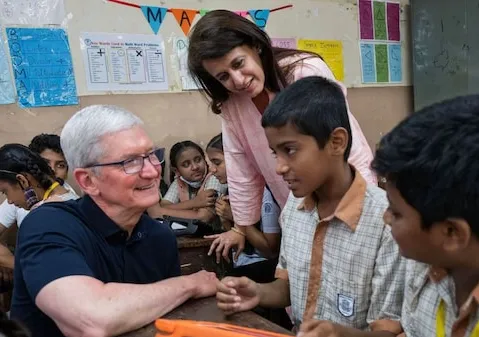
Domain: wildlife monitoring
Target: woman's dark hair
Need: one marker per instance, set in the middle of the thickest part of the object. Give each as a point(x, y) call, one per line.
point(178, 149)
point(44, 142)
point(19, 159)
point(216, 143)
point(220, 31)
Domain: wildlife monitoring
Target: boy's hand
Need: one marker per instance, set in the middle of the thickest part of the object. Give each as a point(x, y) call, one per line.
point(236, 294)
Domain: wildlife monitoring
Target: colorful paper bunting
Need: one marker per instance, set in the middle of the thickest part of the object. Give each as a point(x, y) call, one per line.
point(184, 17)
point(260, 17)
point(154, 16)
point(242, 13)
point(204, 11)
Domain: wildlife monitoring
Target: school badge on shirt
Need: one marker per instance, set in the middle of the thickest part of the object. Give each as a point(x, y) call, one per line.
point(345, 305)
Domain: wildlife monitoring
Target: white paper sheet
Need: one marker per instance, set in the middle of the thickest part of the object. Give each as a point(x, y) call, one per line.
point(32, 12)
point(181, 51)
point(124, 62)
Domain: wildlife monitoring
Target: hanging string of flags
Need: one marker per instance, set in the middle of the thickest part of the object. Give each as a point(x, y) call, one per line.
point(184, 17)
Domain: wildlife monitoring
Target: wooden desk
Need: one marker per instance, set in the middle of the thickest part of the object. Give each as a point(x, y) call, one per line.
point(194, 256)
point(206, 310)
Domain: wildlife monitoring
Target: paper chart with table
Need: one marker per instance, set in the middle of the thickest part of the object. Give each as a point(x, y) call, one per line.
point(124, 62)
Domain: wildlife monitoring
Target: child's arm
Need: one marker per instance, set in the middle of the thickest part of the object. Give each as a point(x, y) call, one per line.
point(205, 215)
point(267, 241)
point(204, 198)
point(6, 257)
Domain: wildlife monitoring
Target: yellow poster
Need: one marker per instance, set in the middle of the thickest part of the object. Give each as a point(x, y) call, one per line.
point(330, 50)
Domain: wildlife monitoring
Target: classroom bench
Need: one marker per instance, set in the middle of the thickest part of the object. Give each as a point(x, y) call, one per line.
point(194, 257)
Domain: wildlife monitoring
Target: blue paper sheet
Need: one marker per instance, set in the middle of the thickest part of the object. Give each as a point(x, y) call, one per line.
point(7, 92)
point(368, 66)
point(395, 62)
point(42, 66)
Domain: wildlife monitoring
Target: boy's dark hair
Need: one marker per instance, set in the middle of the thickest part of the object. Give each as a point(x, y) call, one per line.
point(44, 142)
point(432, 158)
point(315, 106)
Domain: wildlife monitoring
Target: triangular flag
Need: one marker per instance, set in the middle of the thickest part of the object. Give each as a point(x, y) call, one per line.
point(260, 17)
point(154, 16)
point(242, 13)
point(184, 17)
point(204, 11)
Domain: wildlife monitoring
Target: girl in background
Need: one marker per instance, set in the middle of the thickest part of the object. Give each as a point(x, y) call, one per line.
point(27, 181)
point(259, 258)
point(193, 191)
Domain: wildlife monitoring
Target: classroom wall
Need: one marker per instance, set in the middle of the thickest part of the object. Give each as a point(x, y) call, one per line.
point(174, 116)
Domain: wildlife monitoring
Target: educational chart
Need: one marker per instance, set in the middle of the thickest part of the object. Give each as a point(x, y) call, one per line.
point(287, 43)
point(381, 62)
point(7, 91)
point(330, 50)
point(124, 62)
point(181, 52)
point(379, 20)
point(32, 12)
point(42, 66)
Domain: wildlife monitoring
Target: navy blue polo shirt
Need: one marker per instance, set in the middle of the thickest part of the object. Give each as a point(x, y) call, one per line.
point(77, 238)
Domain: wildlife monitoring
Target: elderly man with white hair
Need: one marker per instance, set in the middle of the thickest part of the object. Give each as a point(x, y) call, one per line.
point(100, 266)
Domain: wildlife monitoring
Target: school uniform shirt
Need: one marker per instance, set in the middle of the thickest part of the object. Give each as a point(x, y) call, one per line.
point(249, 163)
point(211, 183)
point(345, 268)
point(11, 214)
point(426, 288)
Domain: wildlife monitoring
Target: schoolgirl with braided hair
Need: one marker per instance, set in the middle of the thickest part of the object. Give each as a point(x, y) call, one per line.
point(27, 180)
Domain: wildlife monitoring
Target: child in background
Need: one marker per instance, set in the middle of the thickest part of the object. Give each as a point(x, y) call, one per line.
point(192, 193)
point(338, 261)
point(48, 147)
point(259, 258)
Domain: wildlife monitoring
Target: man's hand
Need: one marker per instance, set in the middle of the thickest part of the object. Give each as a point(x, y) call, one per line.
point(224, 242)
point(205, 283)
point(235, 294)
point(205, 198)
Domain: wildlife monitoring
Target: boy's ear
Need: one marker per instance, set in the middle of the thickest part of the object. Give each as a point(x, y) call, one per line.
point(457, 234)
point(338, 141)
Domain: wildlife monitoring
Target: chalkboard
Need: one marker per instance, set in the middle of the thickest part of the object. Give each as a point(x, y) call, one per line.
point(445, 49)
